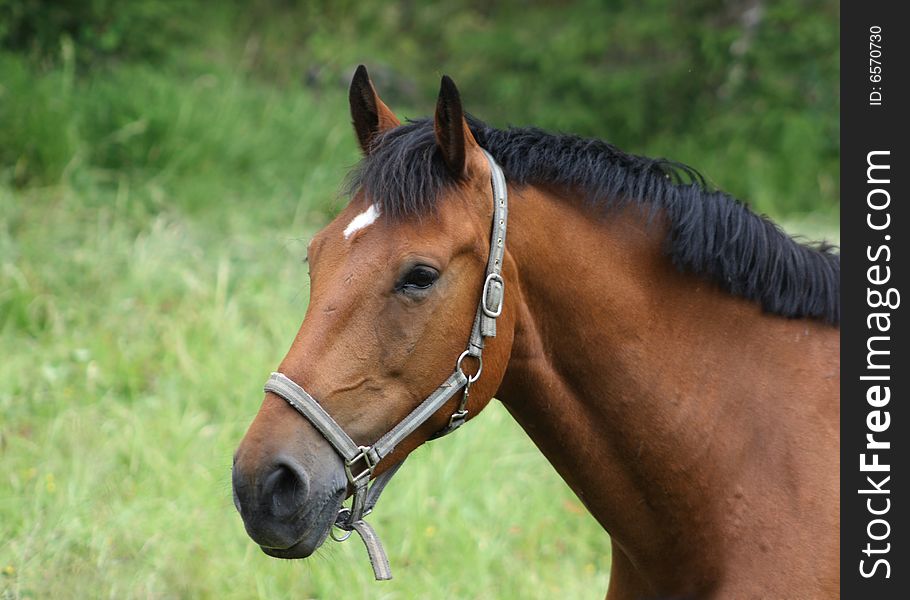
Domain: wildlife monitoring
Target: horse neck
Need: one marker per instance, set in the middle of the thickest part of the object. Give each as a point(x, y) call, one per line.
point(631, 377)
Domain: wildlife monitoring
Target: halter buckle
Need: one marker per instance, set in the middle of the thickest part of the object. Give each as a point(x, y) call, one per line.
point(364, 454)
point(495, 310)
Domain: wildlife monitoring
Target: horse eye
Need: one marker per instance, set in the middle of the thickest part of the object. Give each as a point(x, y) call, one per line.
point(419, 278)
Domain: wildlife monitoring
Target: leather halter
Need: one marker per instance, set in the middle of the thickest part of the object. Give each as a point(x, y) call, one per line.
point(360, 461)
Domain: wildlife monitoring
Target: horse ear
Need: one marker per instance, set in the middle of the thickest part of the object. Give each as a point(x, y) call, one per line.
point(369, 113)
point(453, 136)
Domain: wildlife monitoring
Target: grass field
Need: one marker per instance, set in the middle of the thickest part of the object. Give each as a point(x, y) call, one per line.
point(134, 346)
point(151, 236)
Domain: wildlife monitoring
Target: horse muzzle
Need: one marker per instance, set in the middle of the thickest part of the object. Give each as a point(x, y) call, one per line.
point(285, 510)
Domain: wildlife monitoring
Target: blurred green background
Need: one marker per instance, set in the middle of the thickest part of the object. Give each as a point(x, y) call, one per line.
point(162, 166)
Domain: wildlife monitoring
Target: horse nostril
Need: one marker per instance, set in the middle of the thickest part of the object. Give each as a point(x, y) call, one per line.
point(285, 490)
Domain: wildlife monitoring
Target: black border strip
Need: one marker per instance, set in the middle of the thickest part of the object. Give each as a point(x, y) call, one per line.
point(875, 225)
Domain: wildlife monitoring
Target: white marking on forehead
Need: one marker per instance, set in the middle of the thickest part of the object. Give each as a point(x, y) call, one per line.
point(364, 219)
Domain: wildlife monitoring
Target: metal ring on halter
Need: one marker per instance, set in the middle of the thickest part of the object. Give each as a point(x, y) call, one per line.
point(347, 533)
point(335, 525)
point(475, 376)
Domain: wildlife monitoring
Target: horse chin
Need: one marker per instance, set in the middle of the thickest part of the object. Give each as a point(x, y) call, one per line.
point(316, 531)
point(302, 549)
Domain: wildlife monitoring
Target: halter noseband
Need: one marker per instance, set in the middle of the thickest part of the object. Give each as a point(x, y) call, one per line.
point(360, 461)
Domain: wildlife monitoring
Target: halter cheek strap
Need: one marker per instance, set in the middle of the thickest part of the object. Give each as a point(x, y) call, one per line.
point(360, 461)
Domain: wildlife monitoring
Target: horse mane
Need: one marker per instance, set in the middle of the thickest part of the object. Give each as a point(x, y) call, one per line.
point(711, 233)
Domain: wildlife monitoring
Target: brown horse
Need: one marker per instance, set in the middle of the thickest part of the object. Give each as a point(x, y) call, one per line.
point(674, 356)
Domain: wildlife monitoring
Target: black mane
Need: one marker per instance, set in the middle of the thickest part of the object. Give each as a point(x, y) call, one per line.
point(710, 232)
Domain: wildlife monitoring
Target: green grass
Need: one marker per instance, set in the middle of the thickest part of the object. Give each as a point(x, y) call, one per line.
point(134, 344)
point(152, 225)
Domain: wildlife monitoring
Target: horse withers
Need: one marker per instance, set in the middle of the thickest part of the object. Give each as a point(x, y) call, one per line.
point(672, 354)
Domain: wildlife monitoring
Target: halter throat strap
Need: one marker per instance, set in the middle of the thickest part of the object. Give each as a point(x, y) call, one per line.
point(360, 461)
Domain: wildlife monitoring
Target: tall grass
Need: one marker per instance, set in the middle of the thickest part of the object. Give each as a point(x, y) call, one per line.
point(150, 277)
